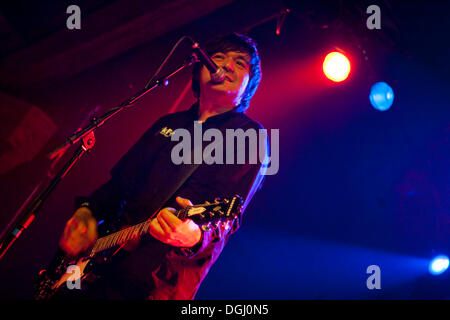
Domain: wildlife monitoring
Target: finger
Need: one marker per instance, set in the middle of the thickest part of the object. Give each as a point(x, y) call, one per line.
point(82, 228)
point(72, 246)
point(163, 223)
point(170, 219)
point(156, 230)
point(71, 225)
point(92, 231)
point(183, 202)
point(67, 235)
point(80, 235)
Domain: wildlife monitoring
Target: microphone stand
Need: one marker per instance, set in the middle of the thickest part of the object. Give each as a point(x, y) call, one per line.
point(27, 213)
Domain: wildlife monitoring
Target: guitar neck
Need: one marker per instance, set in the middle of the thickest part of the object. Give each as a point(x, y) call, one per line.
point(122, 236)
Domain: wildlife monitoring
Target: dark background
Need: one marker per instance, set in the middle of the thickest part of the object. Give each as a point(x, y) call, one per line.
point(356, 186)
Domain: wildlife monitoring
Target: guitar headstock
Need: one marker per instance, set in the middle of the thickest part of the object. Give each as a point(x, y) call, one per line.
point(219, 209)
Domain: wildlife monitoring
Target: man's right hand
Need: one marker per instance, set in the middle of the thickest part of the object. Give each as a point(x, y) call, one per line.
point(80, 232)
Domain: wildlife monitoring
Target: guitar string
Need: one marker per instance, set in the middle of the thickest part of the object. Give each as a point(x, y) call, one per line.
point(112, 240)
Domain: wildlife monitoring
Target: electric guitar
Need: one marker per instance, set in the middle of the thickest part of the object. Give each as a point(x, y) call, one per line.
point(64, 270)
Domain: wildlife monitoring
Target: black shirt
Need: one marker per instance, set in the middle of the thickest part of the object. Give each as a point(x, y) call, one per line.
point(146, 180)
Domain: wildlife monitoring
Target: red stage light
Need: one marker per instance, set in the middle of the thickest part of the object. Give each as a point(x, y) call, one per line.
point(336, 66)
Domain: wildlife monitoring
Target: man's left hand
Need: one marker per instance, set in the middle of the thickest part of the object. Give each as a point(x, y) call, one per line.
point(166, 227)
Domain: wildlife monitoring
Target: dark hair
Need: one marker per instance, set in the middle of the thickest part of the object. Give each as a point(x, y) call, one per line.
point(234, 42)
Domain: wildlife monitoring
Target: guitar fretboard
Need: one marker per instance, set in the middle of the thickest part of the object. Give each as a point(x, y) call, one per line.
point(122, 236)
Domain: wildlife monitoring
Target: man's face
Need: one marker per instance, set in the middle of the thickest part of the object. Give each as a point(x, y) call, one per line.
point(237, 69)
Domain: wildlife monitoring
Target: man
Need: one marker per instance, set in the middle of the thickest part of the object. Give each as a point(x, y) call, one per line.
point(173, 262)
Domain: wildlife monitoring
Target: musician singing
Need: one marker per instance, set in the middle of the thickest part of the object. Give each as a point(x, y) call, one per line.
point(174, 258)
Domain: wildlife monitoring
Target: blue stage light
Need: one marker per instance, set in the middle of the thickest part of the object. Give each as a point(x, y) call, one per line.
point(438, 265)
point(381, 96)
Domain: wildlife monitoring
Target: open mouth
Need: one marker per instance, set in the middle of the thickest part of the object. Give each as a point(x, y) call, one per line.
point(226, 79)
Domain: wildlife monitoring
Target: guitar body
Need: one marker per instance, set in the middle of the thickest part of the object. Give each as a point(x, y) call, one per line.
point(72, 273)
point(76, 273)
point(68, 273)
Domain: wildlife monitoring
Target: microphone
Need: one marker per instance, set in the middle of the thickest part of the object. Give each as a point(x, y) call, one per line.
point(217, 73)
